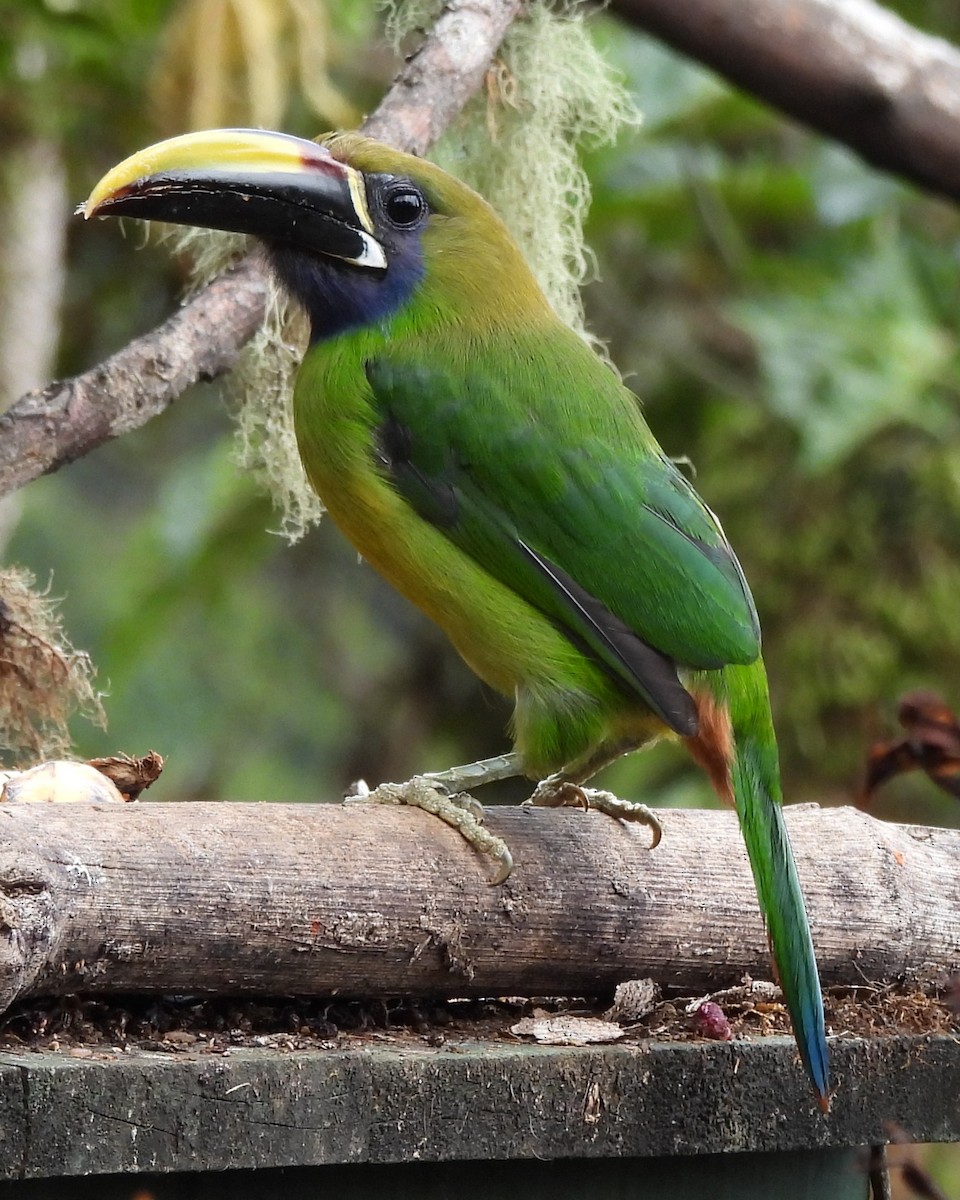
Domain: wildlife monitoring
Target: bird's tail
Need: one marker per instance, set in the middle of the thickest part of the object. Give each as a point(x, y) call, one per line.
point(737, 745)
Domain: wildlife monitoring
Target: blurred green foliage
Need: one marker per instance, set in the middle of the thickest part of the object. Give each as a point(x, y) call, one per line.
point(787, 315)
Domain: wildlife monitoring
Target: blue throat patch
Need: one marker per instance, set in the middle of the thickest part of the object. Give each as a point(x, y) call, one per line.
point(338, 295)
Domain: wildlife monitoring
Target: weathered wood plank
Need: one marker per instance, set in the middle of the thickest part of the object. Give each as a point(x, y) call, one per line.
point(14, 1149)
point(154, 1112)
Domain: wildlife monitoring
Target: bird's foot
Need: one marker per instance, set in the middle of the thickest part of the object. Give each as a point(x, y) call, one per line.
point(557, 792)
point(459, 810)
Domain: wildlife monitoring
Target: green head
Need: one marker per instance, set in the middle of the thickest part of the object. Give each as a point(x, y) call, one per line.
point(354, 229)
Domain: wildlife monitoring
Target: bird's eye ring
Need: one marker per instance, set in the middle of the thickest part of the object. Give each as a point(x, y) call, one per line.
point(404, 206)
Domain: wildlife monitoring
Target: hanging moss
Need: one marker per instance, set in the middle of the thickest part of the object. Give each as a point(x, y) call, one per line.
point(43, 680)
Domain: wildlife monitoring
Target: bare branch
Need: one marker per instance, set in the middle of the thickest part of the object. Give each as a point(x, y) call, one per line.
point(849, 68)
point(46, 429)
point(372, 901)
point(440, 78)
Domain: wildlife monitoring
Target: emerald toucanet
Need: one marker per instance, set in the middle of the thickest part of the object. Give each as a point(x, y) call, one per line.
point(479, 455)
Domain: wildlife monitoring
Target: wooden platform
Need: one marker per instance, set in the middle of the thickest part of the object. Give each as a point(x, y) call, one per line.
point(64, 1116)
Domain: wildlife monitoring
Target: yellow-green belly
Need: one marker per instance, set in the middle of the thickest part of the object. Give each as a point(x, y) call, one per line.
point(565, 704)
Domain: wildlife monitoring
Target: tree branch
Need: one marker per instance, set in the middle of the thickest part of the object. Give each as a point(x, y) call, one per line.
point(365, 900)
point(46, 429)
point(849, 68)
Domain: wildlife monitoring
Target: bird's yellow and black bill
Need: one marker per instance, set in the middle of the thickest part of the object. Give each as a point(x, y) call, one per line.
point(271, 185)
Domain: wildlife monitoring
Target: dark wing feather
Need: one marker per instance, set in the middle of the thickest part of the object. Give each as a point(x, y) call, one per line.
point(662, 689)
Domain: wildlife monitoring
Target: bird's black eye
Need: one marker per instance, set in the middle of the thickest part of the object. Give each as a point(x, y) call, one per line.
point(404, 206)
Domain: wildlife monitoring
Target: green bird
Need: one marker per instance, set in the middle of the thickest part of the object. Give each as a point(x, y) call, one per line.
point(484, 460)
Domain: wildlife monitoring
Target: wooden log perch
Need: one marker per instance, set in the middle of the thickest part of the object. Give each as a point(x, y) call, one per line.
point(365, 900)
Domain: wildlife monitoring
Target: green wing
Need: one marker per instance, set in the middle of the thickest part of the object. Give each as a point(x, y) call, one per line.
point(571, 503)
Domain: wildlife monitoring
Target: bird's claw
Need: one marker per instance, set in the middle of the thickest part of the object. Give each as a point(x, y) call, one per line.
point(460, 811)
point(561, 793)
